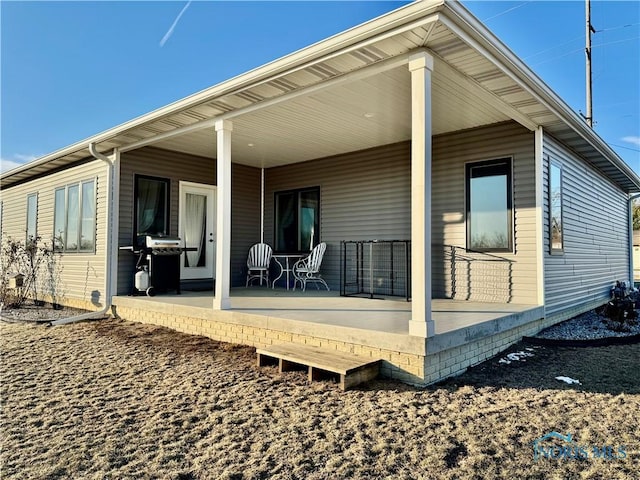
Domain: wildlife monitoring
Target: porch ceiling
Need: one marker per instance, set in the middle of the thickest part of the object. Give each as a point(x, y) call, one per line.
point(352, 116)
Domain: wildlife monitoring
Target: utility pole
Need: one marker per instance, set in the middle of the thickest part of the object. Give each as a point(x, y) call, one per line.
point(589, 30)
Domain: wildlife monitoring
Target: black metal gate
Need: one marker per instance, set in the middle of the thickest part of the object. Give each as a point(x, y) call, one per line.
point(375, 267)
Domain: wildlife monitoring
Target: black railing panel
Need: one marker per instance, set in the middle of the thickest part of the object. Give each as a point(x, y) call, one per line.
point(375, 267)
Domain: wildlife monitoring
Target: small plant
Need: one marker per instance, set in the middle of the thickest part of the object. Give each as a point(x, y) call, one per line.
point(36, 254)
point(619, 324)
point(52, 278)
point(13, 262)
point(620, 311)
point(5, 293)
point(39, 266)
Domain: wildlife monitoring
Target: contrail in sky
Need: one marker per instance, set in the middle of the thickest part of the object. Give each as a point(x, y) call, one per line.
point(173, 26)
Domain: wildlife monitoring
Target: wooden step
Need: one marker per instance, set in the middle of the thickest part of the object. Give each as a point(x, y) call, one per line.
point(353, 369)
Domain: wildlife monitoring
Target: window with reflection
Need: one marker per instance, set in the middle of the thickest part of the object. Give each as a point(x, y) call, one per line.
point(297, 220)
point(32, 217)
point(74, 217)
point(489, 206)
point(59, 218)
point(73, 220)
point(555, 208)
point(151, 207)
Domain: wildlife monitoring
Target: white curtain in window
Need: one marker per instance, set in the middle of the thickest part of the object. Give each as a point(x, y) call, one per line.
point(194, 222)
point(148, 203)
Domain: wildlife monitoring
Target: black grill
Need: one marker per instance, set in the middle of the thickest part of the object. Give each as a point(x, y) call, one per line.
point(162, 255)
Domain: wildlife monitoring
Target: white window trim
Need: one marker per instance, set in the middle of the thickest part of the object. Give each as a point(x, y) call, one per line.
point(66, 187)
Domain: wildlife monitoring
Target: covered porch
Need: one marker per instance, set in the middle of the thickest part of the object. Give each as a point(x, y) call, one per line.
point(371, 142)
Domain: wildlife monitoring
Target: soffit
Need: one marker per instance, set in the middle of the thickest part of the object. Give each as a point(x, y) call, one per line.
point(350, 117)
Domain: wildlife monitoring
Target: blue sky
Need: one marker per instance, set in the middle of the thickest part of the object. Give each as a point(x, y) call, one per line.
point(70, 70)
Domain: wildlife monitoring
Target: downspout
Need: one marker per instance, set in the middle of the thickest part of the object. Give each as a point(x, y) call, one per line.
point(110, 237)
point(631, 199)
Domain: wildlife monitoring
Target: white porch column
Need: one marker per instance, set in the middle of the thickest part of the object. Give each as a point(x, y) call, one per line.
point(221, 300)
point(421, 66)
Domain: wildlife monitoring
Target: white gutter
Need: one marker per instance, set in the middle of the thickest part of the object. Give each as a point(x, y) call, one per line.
point(113, 165)
point(631, 199)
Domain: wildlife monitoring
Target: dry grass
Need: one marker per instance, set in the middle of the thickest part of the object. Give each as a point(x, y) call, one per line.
point(117, 399)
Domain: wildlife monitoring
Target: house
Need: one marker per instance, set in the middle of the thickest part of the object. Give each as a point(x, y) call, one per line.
point(419, 126)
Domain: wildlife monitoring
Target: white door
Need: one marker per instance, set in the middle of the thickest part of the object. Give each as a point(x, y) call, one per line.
point(197, 226)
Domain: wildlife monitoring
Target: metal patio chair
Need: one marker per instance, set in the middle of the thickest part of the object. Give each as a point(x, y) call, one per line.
point(308, 269)
point(258, 262)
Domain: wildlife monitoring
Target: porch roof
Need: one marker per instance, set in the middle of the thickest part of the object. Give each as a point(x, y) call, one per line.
point(352, 91)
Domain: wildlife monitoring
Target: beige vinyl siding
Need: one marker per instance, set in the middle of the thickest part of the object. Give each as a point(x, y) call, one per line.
point(498, 277)
point(367, 195)
point(83, 274)
point(245, 218)
point(363, 195)
point(154, 162)
point(595, 233)
point(176, 167)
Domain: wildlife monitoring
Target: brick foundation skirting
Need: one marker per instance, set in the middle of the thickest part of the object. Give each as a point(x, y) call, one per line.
point(405, 367)
point(408, 368)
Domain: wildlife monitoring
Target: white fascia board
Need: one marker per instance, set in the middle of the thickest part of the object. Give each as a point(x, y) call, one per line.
point(457, 18)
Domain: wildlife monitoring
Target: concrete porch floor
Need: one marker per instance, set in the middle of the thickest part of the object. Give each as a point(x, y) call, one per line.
point(385, 315)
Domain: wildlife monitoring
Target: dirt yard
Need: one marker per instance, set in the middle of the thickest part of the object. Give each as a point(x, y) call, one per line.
point(116, 399)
